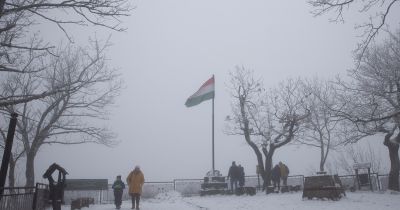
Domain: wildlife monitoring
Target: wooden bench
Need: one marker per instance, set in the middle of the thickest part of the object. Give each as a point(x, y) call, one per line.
point(78, 203)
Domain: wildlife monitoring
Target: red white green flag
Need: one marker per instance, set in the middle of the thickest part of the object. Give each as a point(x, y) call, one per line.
point(205, 92)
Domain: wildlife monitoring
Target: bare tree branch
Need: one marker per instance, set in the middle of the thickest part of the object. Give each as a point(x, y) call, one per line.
point(88, 88)
point(383, 8)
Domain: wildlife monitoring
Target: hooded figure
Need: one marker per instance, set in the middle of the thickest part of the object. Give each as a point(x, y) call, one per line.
point(118, 188)
point(135, 181)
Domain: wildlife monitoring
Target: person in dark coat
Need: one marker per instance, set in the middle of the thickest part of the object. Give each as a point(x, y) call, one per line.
point(241, 176)
point(276, 176)
point(233, 175)
point(118, 188)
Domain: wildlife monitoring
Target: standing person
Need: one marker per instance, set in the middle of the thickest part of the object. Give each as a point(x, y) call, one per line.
point(233, 174)
point(276, 176)
point(284, 173)
point(241, 176)
point(135, 181)
point(118, 188)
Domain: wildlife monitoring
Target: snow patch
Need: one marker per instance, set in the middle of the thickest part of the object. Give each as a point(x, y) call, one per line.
point(170, 196)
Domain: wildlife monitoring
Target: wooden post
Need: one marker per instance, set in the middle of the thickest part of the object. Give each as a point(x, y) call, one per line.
point(369, 178)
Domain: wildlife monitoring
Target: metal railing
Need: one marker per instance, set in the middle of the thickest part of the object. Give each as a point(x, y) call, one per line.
point(17, 198)
point(41, 197)
point(191, 187)
point(187, 187)
point(24, 198)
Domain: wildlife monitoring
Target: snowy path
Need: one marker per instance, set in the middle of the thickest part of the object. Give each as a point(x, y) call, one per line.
point(173, 201)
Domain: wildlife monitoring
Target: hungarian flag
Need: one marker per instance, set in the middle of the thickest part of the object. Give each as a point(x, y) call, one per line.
point(206, 92)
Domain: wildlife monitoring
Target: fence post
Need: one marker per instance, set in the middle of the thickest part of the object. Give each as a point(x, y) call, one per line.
point(379, 182)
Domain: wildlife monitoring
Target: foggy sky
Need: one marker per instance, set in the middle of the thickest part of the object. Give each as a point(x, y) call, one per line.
point(169, 50)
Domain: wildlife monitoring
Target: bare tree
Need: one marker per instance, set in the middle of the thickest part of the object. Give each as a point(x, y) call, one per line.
point(371, 101)
point(17, 153)
point(21, 43)
point(18, 17)
point(347, 156)
point(268, 120)
point(381, 9)
point(66, 117)
point(32, 62)
point(322, 128)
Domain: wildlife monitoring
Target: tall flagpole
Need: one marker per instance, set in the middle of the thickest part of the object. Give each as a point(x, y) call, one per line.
point(213, 165)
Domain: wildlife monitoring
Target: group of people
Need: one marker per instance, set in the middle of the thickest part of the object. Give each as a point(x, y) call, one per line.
point(236, 176)
point(280, 171)
point(135, 181)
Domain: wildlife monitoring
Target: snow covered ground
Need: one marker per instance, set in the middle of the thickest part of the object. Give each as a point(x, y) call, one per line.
point(286, 201)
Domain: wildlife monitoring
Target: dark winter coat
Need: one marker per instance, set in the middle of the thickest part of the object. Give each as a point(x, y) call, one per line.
point(276, 173)
point(118, 185)
point(234, 172)
point(241, 176)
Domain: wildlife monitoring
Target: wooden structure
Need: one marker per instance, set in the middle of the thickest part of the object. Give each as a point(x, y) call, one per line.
point(323, 186)
point(56, 188)
point(363, 179)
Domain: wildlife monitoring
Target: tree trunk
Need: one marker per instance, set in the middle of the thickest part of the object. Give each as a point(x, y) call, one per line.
point(246, 130)
point(322, 160)
point(394, 167)
point(11, 172)
point(393, 183)
point(268, 169)
point(268, 164)
point(30, 170)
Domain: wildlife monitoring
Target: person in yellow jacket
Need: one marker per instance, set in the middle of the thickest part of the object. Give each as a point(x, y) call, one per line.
point(135, 182)
point(284, 173)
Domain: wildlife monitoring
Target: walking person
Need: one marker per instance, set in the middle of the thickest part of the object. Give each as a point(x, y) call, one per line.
point(284, 173)
point(118, 188)
point(276, 176)
point(241, 176)
point(233, 175)
point(135, 181)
